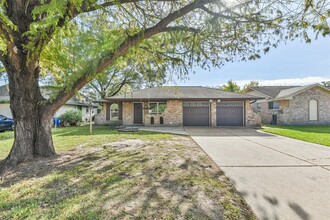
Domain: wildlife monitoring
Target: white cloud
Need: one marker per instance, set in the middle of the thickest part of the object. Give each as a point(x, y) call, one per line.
point(287, 82)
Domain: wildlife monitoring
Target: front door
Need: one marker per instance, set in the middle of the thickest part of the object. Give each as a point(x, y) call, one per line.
point(137, 113)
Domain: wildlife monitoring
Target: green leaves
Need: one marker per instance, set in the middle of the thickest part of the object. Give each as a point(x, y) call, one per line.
point(210, 35)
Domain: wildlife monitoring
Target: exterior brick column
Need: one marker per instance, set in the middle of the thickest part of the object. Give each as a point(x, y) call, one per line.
point(214, 113)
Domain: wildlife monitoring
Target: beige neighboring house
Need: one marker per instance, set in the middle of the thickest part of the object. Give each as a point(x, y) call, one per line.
point(293, 105)
point(179, 106)
point(74, 103)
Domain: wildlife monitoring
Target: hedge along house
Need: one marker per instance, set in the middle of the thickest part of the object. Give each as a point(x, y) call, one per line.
point(179, 106)
point(293, 105)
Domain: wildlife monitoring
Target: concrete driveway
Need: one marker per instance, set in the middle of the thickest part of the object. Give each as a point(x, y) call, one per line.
point(280, 178)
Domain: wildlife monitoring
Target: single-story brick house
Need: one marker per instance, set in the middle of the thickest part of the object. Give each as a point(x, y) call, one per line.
point(74, 103)
point(294, 105)
point(179, 106)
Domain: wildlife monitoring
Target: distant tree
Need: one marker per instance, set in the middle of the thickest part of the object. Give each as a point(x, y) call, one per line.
point(230, 87)
point(114, 81)
point(108, 84)
point(250, 85)
point(326, 83)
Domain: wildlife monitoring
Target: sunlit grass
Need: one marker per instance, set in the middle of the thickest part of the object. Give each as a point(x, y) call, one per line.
point(313, 133)
point(70, 137)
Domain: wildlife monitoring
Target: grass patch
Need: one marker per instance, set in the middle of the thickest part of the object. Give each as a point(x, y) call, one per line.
point(111, 175)
point(68, 138)
point(312, 133)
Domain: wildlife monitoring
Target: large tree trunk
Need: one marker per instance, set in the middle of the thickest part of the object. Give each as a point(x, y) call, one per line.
point(32, 121)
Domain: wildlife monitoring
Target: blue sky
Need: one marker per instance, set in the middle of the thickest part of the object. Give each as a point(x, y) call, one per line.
point(293, 63)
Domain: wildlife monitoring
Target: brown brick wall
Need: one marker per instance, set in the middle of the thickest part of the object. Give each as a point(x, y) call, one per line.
point(297, 110)
point(103, 118)
point(128, 113)
point(214, 113)
point(171, 117)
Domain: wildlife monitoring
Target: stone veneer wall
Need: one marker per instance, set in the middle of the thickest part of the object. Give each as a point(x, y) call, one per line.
point(297, 111)
point(252, 118)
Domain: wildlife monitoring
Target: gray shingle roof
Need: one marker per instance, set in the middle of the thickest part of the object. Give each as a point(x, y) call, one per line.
point(272, 91)
point(180, 92)
point(288, 92)
point(293, 91)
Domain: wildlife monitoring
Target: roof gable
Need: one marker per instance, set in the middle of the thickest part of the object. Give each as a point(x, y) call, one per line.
point(288, 93)
point(271, 91)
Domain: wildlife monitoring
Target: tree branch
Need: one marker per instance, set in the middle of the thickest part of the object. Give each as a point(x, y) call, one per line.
point(124, 82)
point(131, 41)
point(181, 28)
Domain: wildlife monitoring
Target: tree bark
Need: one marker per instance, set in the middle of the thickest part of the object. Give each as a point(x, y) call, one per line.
point(32, 128)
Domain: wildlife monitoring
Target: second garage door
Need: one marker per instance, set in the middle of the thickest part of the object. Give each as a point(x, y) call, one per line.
point(230, 113)
point(196, 113)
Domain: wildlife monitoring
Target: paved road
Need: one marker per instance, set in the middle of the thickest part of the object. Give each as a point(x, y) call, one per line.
point(280, 178)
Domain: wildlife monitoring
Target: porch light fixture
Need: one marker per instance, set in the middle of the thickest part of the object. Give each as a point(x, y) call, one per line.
point(210, 100)
point(218, 100)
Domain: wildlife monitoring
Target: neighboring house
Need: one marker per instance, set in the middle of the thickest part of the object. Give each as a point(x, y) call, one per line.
point(72, 104)
point(296, 105)
point(179, 106)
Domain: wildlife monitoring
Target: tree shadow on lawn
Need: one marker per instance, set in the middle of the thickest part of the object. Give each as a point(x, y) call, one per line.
point(111, 183)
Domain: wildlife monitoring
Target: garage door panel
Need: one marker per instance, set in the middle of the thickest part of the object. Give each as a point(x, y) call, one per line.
point(230, 114)
point(195, 114)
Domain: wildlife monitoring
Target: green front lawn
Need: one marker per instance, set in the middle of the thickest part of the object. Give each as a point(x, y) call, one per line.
point(111, 175)
point(312, 133)
point(70, 137)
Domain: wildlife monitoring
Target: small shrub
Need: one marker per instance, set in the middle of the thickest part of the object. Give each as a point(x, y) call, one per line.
point(71, 117)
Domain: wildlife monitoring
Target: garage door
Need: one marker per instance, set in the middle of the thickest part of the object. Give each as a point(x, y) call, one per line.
point(230, 113)
point(196, 113)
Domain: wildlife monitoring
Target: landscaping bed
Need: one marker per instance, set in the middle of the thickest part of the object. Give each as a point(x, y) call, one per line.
point(319, 134)
point(109, 175)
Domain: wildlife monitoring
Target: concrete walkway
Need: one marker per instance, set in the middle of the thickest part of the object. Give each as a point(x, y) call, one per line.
point(280, 178)
point(170, 130)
